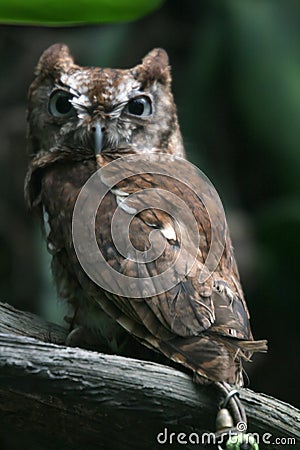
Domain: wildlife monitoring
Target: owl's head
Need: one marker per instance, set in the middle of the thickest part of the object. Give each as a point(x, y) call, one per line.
point(90, 110)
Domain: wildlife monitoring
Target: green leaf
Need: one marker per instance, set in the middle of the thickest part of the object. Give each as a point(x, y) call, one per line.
point(72, 12)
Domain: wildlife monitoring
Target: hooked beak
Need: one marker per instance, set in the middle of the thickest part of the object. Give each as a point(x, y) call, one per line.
point(98, 131)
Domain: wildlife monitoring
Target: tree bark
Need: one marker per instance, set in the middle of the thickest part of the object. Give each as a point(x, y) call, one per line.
point(58, 397)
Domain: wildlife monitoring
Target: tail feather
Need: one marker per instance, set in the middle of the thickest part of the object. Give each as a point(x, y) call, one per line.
point(254, 346)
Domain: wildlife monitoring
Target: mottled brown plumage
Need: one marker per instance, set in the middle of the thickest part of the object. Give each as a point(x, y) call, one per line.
point(80, 119)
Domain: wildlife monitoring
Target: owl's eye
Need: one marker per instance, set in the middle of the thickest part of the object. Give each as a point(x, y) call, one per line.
point(139, 106)
point(59, 104)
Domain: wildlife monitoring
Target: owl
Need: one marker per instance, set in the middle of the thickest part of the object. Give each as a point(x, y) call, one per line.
point(85, 120)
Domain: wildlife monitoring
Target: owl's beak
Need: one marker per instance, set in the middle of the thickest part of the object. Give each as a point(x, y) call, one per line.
point(98, 131)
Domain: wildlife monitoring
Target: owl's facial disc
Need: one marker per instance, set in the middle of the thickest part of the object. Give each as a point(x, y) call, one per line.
point(105, 110)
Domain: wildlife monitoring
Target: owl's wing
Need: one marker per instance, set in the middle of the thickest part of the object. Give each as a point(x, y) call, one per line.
point(190, 306)
point(200, 320)
point(183, 305)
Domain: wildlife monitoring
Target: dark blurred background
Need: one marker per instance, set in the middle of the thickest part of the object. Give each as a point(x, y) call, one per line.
point(236, 81)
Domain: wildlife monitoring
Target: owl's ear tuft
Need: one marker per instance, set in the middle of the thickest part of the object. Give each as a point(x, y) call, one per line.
point(56, 58)
point(155, 66)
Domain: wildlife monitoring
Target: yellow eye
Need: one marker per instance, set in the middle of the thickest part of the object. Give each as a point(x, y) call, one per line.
point(59, 104)
point(139, 106)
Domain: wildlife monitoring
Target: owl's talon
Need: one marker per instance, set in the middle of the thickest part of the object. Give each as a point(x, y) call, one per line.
point(74, 338)
point(82, 337)
point(85, 338)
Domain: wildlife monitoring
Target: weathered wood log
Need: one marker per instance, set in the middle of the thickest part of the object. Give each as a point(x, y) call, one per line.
point(57, 397)
point(13, 321)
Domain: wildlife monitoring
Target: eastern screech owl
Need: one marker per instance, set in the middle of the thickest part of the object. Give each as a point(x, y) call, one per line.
point(79, 120)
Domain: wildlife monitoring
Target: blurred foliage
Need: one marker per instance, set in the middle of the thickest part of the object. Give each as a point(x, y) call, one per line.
point(236, 80)
point(66, 12)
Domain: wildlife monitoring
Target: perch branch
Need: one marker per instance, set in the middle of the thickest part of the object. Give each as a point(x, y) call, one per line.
point(73, 398)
